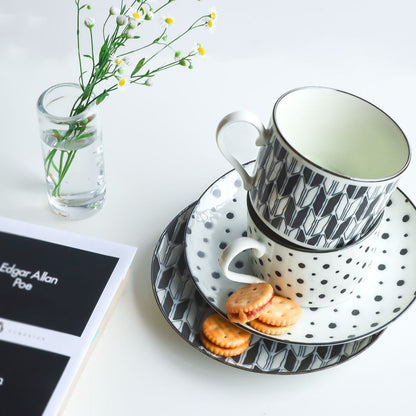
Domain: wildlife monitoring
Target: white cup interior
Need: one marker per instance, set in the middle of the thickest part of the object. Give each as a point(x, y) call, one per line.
point(342, 133)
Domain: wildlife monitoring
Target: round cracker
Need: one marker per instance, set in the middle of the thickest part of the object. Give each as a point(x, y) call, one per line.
point(270, 329)
point(280, 312)
point(225, 352)
point(223, 333)
point(245, 304)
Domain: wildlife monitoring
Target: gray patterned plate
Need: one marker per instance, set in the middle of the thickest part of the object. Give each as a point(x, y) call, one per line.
point(220, 217)
point(185, 309)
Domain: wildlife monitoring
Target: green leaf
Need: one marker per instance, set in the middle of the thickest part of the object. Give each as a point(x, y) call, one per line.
point(87, 56)
point(138, 67)
point(104, 51)
point(102, 97)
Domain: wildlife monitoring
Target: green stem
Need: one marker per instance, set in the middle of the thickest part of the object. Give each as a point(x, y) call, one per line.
point(79, 48)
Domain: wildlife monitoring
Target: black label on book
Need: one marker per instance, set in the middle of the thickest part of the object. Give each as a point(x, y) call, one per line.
point(50, 285)
point(28, 377)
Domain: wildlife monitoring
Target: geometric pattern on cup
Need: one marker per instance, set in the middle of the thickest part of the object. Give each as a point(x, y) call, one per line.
point(309, 209)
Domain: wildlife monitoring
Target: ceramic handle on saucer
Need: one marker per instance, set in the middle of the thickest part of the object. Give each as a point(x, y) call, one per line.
point(262, 140)
point(235, 248)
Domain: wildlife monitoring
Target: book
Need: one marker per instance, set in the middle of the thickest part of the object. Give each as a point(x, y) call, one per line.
point(56, 292)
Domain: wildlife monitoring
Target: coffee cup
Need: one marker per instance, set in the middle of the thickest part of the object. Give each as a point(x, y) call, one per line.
point(311, 278)
point(327, 165)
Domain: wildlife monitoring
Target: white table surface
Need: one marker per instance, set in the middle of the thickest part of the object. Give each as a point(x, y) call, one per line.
point(160, 155)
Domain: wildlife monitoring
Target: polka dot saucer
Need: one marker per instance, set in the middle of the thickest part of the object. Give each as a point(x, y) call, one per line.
point(220, 217)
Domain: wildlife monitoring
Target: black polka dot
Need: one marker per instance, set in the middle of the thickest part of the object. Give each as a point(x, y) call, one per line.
point(244, 233)
point(200, 254)
point(346, 276)
point(324, 282)
point(301, 265)
point(400, 283)
point(349, 260)
point(321, 296)
point(313, 309)
point(374, 324)
point(234, 200)
point(300, 281)
point(332, 325)
point(405, 218)
point(227, 230)
point(222, 245)
point(205, 240)
point(239, 264)
point(213, 288)
point(403, 251)
point(278, 288)
point(261, 262)
point(355, 312)
point(278, 258)
point(299, 295)
point(378, 298)
point(395, 310)
point(381, 267)
point(215, 275)
point(208, 225)
point(385, 236)
point(325, 266)
point(230, 215)
point(277, 273)
point(308, 336)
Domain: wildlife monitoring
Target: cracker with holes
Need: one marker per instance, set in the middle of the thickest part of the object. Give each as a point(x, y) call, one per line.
point(278, 317)
point(222, 337)
point(248, 302)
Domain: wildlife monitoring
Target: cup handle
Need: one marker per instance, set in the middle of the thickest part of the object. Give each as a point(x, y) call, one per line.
point(234, 248)
point(262, 140)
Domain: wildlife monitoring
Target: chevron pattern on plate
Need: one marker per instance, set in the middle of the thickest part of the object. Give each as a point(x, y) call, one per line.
point(308, 208)
point(185, 309)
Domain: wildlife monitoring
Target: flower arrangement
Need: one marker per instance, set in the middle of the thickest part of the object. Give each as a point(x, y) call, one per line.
point(121, 59)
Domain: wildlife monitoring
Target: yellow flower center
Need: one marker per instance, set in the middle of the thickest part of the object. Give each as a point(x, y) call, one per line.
point(201, 50)
point(213, 15)
point(119, 61)
point(122, 82)
point(136, 15)
point(169, 20)
point(210, 23)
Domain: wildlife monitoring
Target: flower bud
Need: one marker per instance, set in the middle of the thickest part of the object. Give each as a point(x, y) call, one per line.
point(114, 11)
point(132, 23)
point(121, 20)
point(89, 22)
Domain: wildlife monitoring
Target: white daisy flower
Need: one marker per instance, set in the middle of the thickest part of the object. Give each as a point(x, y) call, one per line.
point(167, 21)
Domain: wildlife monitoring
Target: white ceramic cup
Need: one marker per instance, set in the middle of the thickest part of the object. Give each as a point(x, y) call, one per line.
point(309, 277)
point(326, 167)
